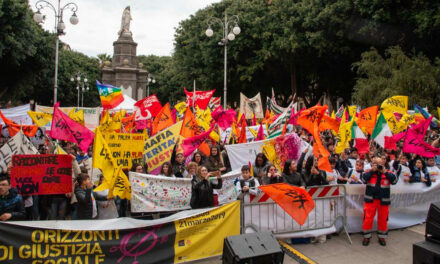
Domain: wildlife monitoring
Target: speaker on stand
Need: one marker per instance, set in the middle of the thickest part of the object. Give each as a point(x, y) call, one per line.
point(428, 251)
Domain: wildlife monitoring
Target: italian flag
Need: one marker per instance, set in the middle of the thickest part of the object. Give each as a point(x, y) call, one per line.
point(360, 140)
point(382, 134)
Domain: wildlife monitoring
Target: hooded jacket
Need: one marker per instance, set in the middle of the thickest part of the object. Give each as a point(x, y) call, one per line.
point(13, 204)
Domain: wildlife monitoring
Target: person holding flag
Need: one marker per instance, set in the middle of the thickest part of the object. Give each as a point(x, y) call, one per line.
point(377, 198)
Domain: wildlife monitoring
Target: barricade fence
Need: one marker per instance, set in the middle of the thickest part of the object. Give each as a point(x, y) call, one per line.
point(261, 214)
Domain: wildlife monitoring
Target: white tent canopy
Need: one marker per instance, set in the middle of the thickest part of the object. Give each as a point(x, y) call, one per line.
point(127, 104)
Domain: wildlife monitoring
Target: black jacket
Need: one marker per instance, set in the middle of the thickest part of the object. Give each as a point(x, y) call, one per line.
point(85, 205)
point(13, 204)
point(201, 192)
point(295, 179)
point(378, 186)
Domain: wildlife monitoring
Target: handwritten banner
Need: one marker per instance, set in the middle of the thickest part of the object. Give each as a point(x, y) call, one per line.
point(42, 174)
point(158, 148)
point(126, 148)
point(152, 193)
point(18, 144)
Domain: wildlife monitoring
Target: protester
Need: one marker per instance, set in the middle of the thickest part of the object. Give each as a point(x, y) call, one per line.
point(198, 158)
point(11, 203)
point(420, 173)
point(433, 170)
point(106, 208)
point(400, 167)
point(167, 170)
point(260, 166)
point(246, 184)
point(377, 198)
point(137, 168)
point(335, 177)
point(272, 176)
point(191, 170)
point(215, 161)
point(292, 172)
point(179, 165)
point(313, 176)
point(354, 176)
point(202, 188)
point(87, 208)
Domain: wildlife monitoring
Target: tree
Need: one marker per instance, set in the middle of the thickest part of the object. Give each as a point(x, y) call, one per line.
point(396, 73)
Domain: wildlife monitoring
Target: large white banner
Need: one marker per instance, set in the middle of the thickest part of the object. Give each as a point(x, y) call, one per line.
point(242, 154)
point(19, 144)
point(18, 114)
point(152, 193)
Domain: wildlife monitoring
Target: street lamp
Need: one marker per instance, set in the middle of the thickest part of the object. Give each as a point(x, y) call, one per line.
point(59, 29)
point(82, 86)
point(150, 80)
point(230, 30)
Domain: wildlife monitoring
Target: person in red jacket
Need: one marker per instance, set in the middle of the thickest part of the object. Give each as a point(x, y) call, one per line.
point(377, 198)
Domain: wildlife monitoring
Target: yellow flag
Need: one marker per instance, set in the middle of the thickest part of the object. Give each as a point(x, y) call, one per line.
point(333, 114)
point(60, 150)
point(253, 132)
point(204, 120)
point(268, 150)
point(396, 103)
point(438, 111)
point(113, 176)
point(77, 116)
point(180, 107)
point(352, 112)
point(108, 124)
point(404, 122)
point(40, 118)
point(344, 135)
point(391, 121)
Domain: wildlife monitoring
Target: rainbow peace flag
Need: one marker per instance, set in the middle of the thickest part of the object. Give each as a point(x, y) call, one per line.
point(110, 96)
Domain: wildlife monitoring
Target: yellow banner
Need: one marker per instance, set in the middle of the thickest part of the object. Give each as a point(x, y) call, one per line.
point(77, 116)
point(180, 107)
point(158, 148)
point(396, 103)
point(203, 236)
point(269, 151)
point(40, 118)
point(126, 148)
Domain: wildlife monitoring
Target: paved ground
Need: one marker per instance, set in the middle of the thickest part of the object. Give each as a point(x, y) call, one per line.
point(338, 250)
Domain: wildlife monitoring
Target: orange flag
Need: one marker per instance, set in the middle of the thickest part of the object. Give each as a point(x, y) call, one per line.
point(13, 128)
point(128, 122)
point(311, 116)
point(296, 201)
point(310, 120)
point(163, 119)
point(367, 119)
point(190, 128)
point(329, 123)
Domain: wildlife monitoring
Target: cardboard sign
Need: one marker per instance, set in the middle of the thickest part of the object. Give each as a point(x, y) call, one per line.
point(42, 174)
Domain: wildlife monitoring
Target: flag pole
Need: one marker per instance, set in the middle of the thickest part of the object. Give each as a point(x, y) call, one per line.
point(194, 96)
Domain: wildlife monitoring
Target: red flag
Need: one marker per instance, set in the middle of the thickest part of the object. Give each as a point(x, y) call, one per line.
point(189, 145)
point(254, 120)
point(202, 98)
point(13, 128)
point(367, 118)
point(147, 108)
point(242, 138)
point(128, 122)
point(329, 123)
point(296, 201)
point(260, 135)
point(224, 118)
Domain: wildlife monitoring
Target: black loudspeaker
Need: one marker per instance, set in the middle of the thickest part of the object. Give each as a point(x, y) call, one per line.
point(432, 232)
point(253, 248)
point(426, 252)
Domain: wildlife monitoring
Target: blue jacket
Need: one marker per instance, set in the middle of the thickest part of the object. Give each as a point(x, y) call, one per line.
point(417, 175)
point(13, 204)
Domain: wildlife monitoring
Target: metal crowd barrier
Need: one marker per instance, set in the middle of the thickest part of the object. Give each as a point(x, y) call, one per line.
point(261, 214)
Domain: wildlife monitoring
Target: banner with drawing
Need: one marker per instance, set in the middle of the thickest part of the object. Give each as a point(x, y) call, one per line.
point(185, 236)
point(151, 193)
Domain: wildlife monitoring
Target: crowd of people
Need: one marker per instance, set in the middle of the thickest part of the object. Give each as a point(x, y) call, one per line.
point(348, 167)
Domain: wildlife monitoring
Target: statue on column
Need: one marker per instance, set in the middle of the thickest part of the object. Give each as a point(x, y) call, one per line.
point(125, 22)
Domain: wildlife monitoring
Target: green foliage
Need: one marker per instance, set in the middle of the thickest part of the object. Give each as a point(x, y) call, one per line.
point(395, 73)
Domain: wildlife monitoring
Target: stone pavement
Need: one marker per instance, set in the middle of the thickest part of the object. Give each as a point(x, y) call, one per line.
point(338, 250)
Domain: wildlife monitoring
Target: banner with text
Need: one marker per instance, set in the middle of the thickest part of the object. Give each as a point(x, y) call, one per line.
point(91, 114)
point(126, 148)
point(18, 144)
point(152, 193)
point(42, 174)
point(159, 148)
point(185, 236)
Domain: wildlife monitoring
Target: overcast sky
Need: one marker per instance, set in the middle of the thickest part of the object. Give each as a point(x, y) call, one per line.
point(100, 20)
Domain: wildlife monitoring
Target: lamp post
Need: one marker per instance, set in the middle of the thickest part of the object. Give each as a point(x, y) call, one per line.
point(150, 80)
point(80, 85)
point(229, 33)
point(59, 29)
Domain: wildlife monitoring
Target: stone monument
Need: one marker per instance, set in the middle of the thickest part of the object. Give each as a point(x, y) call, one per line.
point(124, 71)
